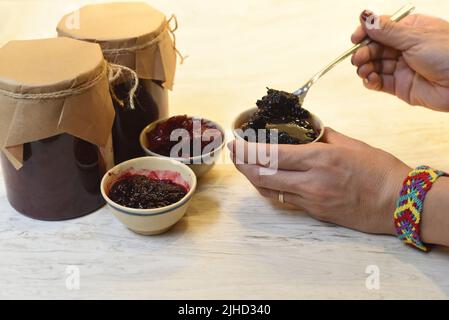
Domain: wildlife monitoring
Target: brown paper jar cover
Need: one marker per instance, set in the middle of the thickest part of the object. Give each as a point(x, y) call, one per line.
point(139, 37)
point(132, 34)
point(56, 116)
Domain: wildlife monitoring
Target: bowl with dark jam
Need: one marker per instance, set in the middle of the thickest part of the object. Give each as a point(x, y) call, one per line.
point(149, 195)
point(194, 141)
point(279, 118)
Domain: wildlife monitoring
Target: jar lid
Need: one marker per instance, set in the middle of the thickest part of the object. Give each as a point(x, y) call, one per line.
point(52, 86)
point(133, 34)
point(112, 22)
point(48, 65)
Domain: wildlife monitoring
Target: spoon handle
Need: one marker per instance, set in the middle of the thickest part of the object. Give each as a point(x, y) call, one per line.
point(399, 15)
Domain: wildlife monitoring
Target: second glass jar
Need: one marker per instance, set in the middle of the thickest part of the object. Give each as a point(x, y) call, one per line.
point(151, 103)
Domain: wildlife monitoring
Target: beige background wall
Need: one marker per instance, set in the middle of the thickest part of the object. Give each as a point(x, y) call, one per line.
point(238, 47)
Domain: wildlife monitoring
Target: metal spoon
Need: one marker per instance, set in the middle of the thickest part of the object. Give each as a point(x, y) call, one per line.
point(301, 133)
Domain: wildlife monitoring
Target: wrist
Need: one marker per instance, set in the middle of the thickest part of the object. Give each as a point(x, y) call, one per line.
point(392, 190)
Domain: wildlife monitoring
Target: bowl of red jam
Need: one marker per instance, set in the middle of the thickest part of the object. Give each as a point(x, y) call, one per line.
point(149, 195)
point(194, 141)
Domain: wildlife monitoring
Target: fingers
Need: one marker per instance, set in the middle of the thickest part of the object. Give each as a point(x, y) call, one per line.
point(286, 157)
point(311, 208)
point(373, 82)
point(373, 51)
point(333, 137)
point(378, 66)
point(381, 29)
point(289, 157)
point(277, 179)
point(358, 35)
point(389, 38)
point(379, 75)
point(380, 82)
point(289, 198)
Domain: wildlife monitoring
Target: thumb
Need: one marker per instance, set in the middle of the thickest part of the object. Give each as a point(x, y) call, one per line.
point(381, 29)
point(334, 137)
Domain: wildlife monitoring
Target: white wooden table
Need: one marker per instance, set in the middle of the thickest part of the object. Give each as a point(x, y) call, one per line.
point(232, 243)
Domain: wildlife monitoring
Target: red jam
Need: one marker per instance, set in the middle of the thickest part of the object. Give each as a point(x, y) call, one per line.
point(200, 132)
point(145, 192)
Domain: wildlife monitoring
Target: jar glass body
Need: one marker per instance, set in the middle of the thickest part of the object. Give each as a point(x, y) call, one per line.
point(151, 104)
point(59, 180)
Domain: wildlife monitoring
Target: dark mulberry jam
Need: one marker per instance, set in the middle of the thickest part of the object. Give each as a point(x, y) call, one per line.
point(279, 107)
point(142, 192)
point(60, 178)
point(150, 105)
point(161, 142)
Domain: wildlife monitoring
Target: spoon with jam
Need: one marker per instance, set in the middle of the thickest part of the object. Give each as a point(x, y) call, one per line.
point(297, 131)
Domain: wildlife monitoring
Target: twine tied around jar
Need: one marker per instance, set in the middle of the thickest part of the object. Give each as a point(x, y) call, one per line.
point(115, 72)
point(55, 94)
point(167, 27)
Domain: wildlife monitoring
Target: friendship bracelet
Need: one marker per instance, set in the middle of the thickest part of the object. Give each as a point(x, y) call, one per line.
point(410, 205)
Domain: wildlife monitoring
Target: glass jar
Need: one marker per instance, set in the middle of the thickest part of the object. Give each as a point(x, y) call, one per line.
point(139, 37)
point(55, 128)
point(60, 178)
point(151, 104)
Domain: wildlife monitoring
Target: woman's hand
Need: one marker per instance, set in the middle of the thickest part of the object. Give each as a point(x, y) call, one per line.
point(409, 59)
point(342, 181)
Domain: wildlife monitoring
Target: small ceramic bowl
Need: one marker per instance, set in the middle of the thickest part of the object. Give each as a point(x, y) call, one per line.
point(245, 115)
point(199, 164)
point(150, 221)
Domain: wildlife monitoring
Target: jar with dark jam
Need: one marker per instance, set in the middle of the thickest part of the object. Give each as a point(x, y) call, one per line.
point(55, 128)
point(60, 178)
point(140, 38)
point(150, 104)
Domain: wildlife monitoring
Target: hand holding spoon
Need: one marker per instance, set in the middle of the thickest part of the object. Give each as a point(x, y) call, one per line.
point(302, 92)
point(297, 131)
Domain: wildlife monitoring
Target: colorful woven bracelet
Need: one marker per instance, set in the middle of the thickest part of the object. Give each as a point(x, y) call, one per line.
point(409, 207)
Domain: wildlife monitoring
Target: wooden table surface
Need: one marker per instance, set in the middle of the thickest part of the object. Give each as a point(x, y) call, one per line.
point(232, 243)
